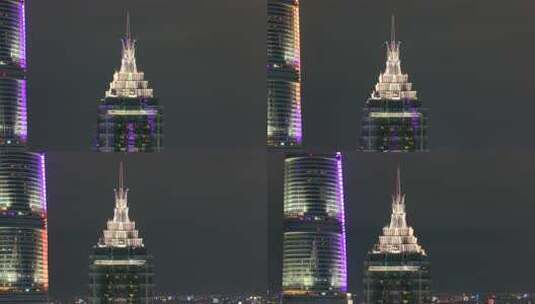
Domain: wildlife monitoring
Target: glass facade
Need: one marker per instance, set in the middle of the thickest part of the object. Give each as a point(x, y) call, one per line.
point(13, 124)
point(393, 118)
point(314, 245)
point(120, 275)
point(23, 214)
point(129, 125)
point(284, 120)
point(130, 118)
point(23, 227)
point(396, 270)
point(120, 269)
point(397, 279)
point(394, 126)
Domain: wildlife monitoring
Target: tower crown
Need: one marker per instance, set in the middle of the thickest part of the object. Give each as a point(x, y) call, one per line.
point(393, 84)
point(398, 237)
point(121, 231)
point(128, 82)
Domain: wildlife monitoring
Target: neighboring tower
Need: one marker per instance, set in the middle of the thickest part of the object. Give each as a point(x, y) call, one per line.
point(284, 122)
point(130, 118)
point(314, 244)
point(396, 270)
point(23, 214)
point(393, 118)
point(120, 267)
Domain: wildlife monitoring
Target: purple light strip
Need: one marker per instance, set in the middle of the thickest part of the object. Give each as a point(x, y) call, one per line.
point(23, 119)
point(152, 125)
point(22, 28)
point(297, 63)
point(43, 183)
point(131, 137)
point(299, 125)
point(342, 218)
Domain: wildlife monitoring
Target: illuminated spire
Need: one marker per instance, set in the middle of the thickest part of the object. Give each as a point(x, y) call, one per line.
point(398, 219)
point(393, 84)
point(128, 27)
point(398, 237)
point(121, 199)
point(128, 63)
point(121, 232)
point(128, 82)
point(393, 29)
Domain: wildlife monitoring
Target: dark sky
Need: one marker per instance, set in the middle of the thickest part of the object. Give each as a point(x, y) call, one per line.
point(201, 205)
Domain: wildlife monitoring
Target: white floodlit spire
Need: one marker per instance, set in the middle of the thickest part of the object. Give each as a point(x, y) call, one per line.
point(393, 84)
point(398, 237)
point(121, 232)
point(128, 82)
point(128, 62)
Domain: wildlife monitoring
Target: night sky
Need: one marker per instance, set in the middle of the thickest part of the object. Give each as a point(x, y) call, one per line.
point(201, 206)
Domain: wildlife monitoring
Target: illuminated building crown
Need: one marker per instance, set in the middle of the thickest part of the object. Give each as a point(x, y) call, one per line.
point(121, 232)
point(128, 82)
point(398, 237)
point(393, 84)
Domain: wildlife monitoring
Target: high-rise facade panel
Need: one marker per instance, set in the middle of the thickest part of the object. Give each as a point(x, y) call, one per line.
point(130, 118)
point(284, 118)
point(314, 244)
point(23, 207)
point(13, 116)
point(393, 118)
point(120, 269)
point(396, 270)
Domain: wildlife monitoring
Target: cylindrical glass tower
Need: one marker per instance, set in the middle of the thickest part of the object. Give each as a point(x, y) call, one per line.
point(13, 125)
point(23, 214)
point(314, 244)
point(284, 122)
point(23, 226)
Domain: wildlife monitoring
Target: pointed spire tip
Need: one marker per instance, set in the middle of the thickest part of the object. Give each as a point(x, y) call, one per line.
point(393, 29)
point(121, 175)
point(397, 189)
point(128, 26)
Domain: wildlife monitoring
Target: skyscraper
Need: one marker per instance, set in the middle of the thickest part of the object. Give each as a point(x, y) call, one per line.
point(284, 122)
point(23, 209)
point(396, 270)
point(130, 118)
point(120, 266)
point(314, 244)
point(393, 119)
